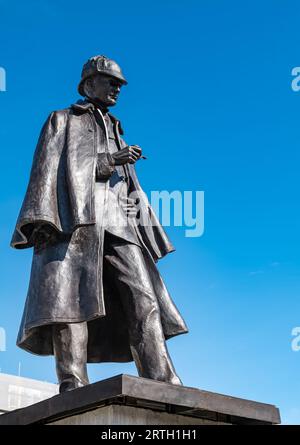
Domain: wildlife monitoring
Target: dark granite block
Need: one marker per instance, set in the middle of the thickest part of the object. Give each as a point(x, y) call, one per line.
point(147, 394)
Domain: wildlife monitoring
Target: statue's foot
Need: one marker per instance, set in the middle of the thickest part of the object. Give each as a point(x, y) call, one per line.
point(176, 381)
point(70, 384)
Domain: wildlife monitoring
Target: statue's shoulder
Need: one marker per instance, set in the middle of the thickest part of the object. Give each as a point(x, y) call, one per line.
point(76, 108)
point(63, 113)
point(57, 118)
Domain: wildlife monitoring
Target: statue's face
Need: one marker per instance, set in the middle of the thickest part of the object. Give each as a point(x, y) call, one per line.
point(105, 89)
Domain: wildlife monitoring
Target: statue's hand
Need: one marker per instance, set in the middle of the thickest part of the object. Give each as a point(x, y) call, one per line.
point(129, 154)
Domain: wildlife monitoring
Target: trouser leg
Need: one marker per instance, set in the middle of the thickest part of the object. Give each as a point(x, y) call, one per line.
point(70, 351)
point(129, 274)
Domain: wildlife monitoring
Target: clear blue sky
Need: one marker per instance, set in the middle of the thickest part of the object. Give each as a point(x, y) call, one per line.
point(210, 101)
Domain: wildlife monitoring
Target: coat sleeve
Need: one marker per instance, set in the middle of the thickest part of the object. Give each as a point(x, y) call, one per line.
point(40, 205)
point(105, 166)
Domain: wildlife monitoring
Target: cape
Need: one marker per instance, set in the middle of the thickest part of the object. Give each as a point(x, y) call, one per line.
point(67, 282)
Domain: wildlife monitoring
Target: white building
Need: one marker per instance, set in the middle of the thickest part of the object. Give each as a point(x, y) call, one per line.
point(18, 392)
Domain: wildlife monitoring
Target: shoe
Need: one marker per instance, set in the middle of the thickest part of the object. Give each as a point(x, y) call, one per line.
point(176, 381)
point(70, 385)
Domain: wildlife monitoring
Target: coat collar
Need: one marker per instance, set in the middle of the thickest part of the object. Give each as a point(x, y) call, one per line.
point(83, 106)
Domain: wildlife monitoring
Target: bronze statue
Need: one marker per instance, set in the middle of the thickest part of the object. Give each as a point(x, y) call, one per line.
point(95, 294)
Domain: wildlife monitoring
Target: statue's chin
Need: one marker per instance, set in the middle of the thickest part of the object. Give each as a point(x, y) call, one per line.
point(111, 102)
point(108, 102)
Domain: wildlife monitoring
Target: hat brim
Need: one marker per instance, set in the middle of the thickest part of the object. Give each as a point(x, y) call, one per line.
point(80, 88)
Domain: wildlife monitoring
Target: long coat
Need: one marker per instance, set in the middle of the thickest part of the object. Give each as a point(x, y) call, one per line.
point(67, 283)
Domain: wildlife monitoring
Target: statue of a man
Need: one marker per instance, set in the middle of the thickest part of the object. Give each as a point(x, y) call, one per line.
point(95, 294)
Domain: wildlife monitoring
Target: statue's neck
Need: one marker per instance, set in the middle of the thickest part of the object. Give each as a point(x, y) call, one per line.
point(99, 104)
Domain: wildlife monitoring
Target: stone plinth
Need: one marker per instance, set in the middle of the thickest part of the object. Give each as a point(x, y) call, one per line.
point(128, 400)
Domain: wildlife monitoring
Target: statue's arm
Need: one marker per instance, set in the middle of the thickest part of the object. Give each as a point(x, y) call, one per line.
point(105, 166)
point(40, 203)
